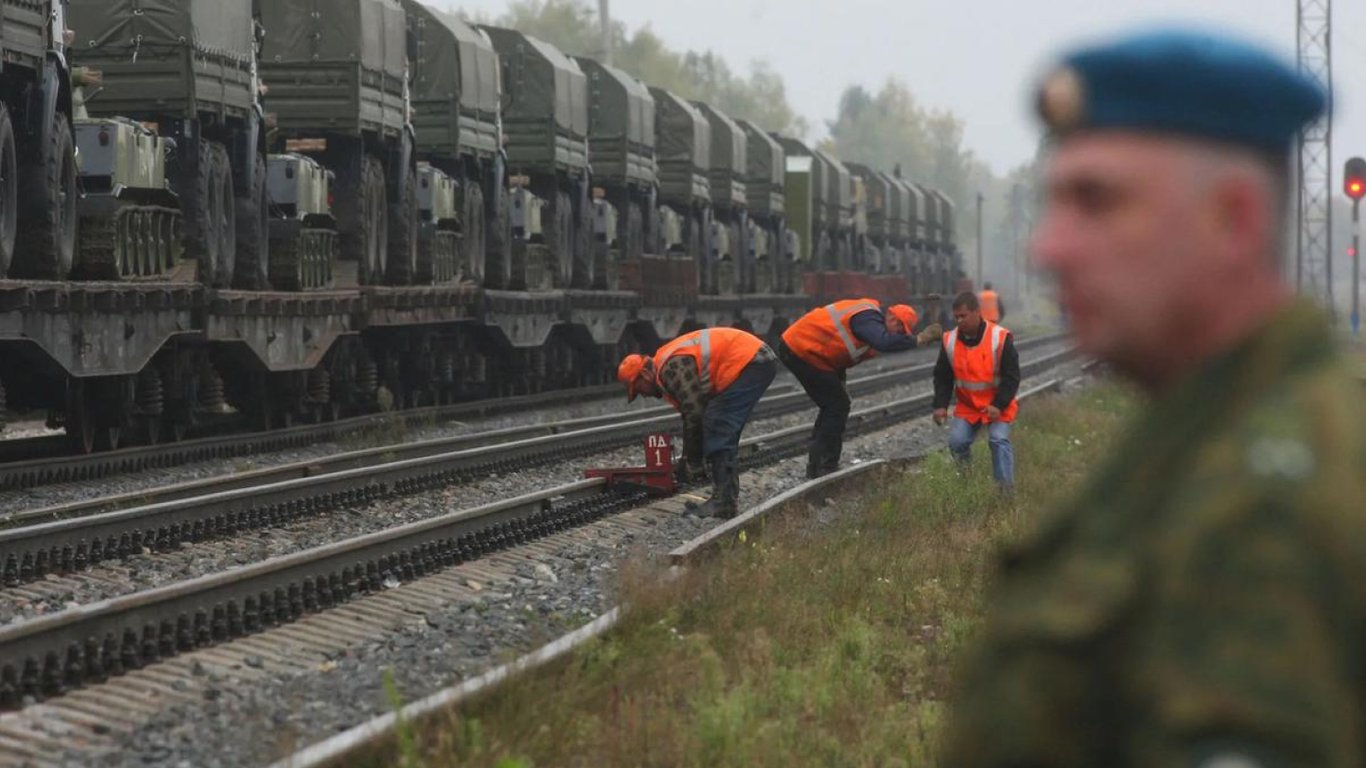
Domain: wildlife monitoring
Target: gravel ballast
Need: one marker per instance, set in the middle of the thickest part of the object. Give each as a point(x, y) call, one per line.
point(252, 722)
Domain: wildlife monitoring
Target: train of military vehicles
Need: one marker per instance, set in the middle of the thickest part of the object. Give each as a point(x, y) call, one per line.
point(263, 211)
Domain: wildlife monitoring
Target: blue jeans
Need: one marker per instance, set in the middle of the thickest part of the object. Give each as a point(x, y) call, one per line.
point(963, 432)
point(727, 412)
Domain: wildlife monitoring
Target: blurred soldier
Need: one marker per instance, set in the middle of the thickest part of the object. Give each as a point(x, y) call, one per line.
point(825, 343)
point(993, 309)
point(1203, 601)
point(979, 371)
point(713, 377)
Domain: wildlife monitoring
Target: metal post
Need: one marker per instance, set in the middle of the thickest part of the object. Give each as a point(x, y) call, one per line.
point(979, 241)
point(1356, 267)
point(605, 16)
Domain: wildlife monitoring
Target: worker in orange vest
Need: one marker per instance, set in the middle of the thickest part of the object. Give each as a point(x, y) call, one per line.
point(714, 377)
point(824, 344)
point(993, 309)
point(979, 368)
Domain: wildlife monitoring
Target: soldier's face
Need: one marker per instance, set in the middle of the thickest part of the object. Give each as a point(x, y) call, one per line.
point(1119, 231)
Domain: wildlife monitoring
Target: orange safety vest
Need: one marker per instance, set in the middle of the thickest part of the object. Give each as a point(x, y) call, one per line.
point(976, 373)
point(824, 339)
point(720, 353)
point(991, 306)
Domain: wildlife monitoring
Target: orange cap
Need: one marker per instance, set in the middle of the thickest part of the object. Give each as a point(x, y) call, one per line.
point(905, 313)
point(629, 372)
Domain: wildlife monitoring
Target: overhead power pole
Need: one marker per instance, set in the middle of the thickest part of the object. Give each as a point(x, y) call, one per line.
point(1314, 215)
point(605, 16)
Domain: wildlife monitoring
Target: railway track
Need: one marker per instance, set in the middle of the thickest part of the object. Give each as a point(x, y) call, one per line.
point(32, 462)
point(74, 536)
point(49, 655)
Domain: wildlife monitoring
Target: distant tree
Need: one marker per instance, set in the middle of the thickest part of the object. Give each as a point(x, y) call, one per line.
point(572, 26)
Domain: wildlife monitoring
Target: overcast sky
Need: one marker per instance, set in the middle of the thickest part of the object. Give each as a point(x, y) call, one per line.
point(973, 57)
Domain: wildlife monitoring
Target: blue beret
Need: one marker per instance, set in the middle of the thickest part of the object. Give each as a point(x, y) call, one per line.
point(1182, 82)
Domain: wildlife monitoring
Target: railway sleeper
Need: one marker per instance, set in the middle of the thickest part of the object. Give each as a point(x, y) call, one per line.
point(97, 659)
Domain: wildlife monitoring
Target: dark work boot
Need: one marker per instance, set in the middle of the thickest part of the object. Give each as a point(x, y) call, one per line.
point(725, 495)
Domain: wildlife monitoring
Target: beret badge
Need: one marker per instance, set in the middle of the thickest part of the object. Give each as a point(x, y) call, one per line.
point(1062, 100)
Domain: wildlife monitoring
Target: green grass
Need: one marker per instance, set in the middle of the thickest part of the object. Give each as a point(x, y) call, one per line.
point(814, 645)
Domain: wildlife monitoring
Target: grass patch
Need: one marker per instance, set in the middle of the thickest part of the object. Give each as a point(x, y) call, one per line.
point(827, 645)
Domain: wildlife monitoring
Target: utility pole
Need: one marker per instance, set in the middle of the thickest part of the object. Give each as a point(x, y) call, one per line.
point(605, 16)
point(1354, 184)
point(979, 241)
point(1314, 214)
point(1016, 213)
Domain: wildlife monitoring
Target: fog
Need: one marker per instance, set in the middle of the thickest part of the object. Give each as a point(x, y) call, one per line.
point(975, 59)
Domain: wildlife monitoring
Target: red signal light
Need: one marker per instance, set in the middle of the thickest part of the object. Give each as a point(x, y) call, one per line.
point(1354, 178)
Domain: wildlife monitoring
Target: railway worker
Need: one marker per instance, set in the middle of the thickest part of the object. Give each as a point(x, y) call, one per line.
point(824, 344)
point(1202, 602)
point(714, 377)
point(993, 309)
point(978, 371)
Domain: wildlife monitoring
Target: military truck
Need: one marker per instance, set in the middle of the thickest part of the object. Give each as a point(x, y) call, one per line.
point(37, 150)
point(766, 166)
point(337, 79)
point(728, 249)
point(839, 211)
point(621, 143)
point(545, 124)
point(876, 207)
point(683, 158)
point(950, 260)
point(813, 204)
point(463, 204)
point(187, 68)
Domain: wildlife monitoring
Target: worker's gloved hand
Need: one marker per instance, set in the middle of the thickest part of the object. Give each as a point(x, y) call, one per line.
point(930, 334)
point(687, 472)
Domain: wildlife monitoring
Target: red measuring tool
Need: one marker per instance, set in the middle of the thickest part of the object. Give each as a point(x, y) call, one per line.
point(657, 476)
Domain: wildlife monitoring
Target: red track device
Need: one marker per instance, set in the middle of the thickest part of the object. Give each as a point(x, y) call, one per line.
point(657, 476)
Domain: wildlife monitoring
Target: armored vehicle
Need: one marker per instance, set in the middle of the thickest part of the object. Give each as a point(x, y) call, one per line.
point(37, 150)
point(816, 215)
point(545, 123)
point(729, 250)
point(621, 142)
point(463, 204)
point(765, 171)
point(187, 70)
point(337, 75)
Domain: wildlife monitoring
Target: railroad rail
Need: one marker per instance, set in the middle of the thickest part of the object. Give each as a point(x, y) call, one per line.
point(37, 461)
point(77, 538)
point(51, 654)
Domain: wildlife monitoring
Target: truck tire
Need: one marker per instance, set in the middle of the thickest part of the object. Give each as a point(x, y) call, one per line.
point(635, 232)
point(474, 260)
point(253, 235)
point(497, 241)
point(559, 235)
point(402, 267)
point(9, 193)
point(583, 243)
point(227, 217)
point(46, 244)
point(374, 233)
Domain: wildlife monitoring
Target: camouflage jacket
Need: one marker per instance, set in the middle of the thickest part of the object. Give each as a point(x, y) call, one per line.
point(680, 380)
point(1203, 602)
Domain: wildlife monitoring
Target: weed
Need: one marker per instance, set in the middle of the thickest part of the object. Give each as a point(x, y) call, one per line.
point(813, 645)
